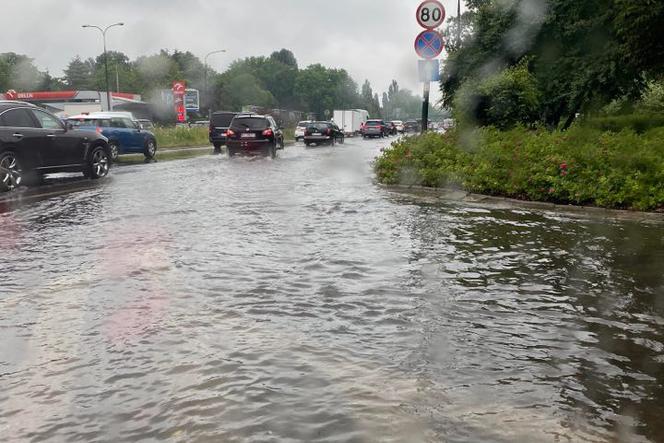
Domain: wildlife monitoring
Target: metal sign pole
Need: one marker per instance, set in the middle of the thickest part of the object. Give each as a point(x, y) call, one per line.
point(425, 107)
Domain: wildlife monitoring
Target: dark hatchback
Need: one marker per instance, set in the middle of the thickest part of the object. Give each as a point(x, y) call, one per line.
point(34, 142)
point(412, 126)
point(254, 134)
point(220, 121)
point(322, 133)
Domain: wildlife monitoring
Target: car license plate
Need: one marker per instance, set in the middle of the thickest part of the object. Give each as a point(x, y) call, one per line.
point(248, 135)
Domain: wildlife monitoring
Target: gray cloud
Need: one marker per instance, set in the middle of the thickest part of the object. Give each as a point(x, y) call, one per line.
point(371, 39)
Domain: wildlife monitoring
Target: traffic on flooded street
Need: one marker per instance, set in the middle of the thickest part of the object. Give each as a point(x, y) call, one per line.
point(217, 299)
point(413, 221)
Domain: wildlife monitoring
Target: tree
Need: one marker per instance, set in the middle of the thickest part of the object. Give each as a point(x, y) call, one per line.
point(20, 73)
point(191, 67)
point(285, 57)
point(4, 73)
point(322, 90)
point(156, 72)
point(50, 83)
point(245, 89)
point(80, 74)
point(581, 53)
point(369, 101)
point(502, 100)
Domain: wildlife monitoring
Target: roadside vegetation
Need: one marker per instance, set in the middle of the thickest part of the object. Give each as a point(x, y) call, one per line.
point(581, 166)
point(543, 111)
point(181, 137)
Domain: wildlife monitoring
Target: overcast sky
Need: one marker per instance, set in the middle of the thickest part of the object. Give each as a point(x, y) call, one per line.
point(371, 39)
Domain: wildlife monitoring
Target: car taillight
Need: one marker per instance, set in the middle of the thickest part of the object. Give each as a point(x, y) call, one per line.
point(268, 133)
point(230, 133)
point(98, 129)
point(328, 131)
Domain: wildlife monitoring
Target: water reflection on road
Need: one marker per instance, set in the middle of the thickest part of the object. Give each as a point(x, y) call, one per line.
point(252, 299)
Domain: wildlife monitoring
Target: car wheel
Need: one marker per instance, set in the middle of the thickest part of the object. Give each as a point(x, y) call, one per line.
point(217, 148)
point(333, 141)
point(231, 151)
point(150, 149)
point(272, 150)
point(100, 163)
point(114, 150)
point(11, 174)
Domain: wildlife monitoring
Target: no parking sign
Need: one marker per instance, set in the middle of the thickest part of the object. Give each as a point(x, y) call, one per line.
point(429, 44)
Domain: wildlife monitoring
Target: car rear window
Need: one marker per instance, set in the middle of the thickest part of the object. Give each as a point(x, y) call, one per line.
point(250, 123)
point(302, 124)
point(318, 125)
point(374, 123)
point(222, 120)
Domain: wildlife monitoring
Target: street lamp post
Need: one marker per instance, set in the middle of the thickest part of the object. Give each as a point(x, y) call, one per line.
point(459, 24)
point(206, 92)
point(103, 34)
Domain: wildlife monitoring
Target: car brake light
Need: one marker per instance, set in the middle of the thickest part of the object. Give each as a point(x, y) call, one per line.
point(268, 133)
point(328, 131)
point(98, 129)
point(230, 133)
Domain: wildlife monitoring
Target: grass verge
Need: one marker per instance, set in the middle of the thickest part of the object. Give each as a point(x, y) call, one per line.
point(179, 137)
point(173, 154)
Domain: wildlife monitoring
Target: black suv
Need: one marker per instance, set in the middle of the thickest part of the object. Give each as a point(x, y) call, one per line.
point(34, 142)
point(220, 121)
point(254, 134)
point(322, 132)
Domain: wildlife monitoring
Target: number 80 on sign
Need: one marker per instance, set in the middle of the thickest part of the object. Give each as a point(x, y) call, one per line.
point(431, 14)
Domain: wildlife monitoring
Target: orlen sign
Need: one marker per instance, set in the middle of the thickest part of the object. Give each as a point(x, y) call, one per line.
point(46, 95)
point(179, 90)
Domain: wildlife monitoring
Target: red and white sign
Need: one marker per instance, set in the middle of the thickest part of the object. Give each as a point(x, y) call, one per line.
point(429, 44)
point(431, 14)
point(42, 95)
point(179, 90)
point(179, 87)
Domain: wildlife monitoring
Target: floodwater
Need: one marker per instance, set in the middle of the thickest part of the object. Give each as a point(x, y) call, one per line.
point(294, 300)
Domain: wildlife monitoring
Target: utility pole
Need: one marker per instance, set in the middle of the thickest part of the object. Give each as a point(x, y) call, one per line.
point(458, 24)
point(103, 34)
point(206, 93)
point(425, 107)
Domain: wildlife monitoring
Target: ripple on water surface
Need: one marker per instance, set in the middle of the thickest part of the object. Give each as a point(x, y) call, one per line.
point(294, 300)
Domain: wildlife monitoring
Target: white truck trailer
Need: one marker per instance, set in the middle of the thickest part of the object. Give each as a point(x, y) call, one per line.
point(350, 121)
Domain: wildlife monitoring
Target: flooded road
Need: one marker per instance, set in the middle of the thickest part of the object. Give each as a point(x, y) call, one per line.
point(293, 300)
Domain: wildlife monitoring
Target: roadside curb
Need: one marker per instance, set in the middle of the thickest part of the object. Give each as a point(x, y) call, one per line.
point(511, 203)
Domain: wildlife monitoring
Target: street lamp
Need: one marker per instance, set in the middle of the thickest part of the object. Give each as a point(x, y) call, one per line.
point(103, 34)
point(206, 92)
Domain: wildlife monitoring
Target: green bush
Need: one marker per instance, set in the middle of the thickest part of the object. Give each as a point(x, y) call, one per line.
point(503, 100)
point(172, 137)
point(639, 123)
point(581, 166)
point(652, 100)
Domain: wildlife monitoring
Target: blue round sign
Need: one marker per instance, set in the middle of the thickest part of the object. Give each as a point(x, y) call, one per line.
point(429, 44)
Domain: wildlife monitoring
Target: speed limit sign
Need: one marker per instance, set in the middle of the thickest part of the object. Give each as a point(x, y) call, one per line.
point(431, 14)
